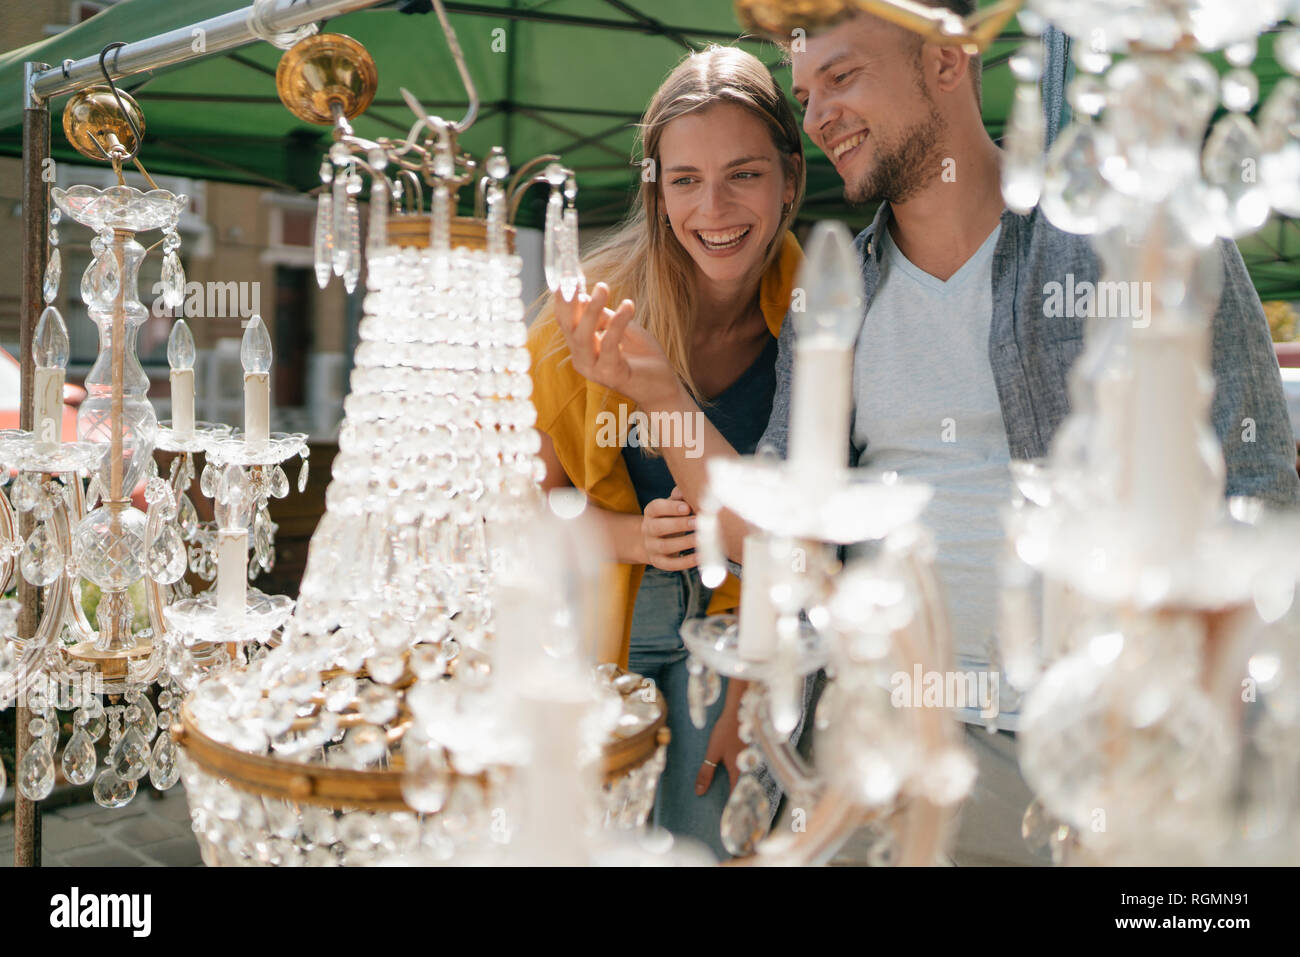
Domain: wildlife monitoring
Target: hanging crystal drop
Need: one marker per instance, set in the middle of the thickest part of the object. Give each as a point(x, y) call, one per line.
point(352, 268)
point(302, 477)
point(163, 771)
point(377, 230)
point(571, 279)
point(187, 517)
point(111, 790)
point(745, 819)
point(144, 719)
point(339, 227)
point(173, 279)
point(440, 220)
point(53, 273)
point(496, 221)
point(208, 480)
point(101, 281)
point(94, 492)
point(42, 561)
point(92, 719)
point(129, 758)
point(550, 239)
point(1279, 133)
point(1076, 197)
point(695, 706)
point(89, 288)
point(26, 491)
point(79, 758)
point(1236, 201)
point(35, 777)
point(167, 555)
point(1022, 163)
point(324, 242)
point(279, 482)
point(262, 537)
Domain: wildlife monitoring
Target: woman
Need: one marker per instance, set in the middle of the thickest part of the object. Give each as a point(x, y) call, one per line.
point(706, 264)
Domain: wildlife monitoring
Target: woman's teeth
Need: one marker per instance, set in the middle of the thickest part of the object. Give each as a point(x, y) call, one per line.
point(847, 145)
point(724, 239)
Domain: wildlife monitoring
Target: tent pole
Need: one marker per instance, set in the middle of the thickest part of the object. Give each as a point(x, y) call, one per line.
point(219, 34)
point(36, 152)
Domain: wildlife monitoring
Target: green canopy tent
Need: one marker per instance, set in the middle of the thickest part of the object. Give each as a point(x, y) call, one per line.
point(560, 76)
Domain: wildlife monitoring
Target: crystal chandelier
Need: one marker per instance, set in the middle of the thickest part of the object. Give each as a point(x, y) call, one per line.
point(901, 771)
point(381, 728)
point(95, 534)
point(1150, 622)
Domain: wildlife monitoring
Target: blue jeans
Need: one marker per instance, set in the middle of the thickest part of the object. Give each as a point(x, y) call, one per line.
point(664, 601)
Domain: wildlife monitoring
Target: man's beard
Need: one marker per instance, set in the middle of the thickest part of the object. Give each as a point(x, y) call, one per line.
point(904, 164)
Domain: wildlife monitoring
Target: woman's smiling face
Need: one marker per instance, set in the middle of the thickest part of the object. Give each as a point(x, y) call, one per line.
point(723, 186)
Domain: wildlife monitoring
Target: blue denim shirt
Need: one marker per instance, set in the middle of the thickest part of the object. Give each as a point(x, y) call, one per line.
point(1031, 355)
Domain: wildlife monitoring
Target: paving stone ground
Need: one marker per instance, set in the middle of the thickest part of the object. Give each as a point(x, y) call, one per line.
point(155, 832)
point(148, 832)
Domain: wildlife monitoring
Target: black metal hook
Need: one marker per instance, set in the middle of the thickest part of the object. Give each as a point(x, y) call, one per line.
point(103, 68)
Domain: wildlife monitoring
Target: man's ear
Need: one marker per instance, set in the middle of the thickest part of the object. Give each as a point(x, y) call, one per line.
point(946, 65)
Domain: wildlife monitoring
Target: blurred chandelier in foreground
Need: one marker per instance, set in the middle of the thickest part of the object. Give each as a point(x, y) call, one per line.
point(1153, 625)
point(899, 770)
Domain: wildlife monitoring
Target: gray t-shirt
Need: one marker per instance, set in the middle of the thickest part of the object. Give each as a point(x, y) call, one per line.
point(927, 408)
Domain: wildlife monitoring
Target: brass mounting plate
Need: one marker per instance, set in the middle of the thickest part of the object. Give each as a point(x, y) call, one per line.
point(322, 70)
point(93, 114)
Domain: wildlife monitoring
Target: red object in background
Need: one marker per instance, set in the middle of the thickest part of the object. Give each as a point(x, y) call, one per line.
point(11, 401)
point(1288, 354)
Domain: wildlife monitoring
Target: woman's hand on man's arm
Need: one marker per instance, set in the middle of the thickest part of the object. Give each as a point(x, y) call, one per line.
point(656, 538)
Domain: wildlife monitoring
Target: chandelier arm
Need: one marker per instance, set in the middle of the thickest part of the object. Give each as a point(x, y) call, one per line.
point(831, 822)
point(523, 170)
point(78, 623)
point(787, 765)
point(9, 531)
point(53, 613)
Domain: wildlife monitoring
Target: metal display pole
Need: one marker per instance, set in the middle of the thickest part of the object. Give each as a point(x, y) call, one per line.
point(36, 150)
point(220, 34)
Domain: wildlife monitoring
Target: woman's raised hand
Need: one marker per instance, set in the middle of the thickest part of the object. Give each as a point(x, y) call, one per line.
point(610, 349)
point(668, 529)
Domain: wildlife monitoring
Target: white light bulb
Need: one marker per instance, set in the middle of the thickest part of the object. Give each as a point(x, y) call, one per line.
point(255, 350)
point(50, 346)
point(831, 281)
point(180, 346)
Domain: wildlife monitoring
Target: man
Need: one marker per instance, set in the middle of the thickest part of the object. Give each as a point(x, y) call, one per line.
point(959, 367)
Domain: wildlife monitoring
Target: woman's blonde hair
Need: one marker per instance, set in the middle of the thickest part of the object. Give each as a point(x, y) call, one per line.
point(641, 259)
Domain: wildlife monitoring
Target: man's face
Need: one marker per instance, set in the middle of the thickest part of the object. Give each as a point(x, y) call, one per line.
point(866, 106)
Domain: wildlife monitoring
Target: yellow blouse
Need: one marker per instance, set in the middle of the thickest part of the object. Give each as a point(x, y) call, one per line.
point(567, 405)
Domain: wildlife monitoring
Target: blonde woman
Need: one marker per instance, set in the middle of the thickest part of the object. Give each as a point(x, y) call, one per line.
point(701, 271)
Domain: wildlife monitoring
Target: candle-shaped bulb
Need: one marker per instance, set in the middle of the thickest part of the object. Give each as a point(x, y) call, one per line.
point(255, 350)
point(180, 346)
point(831, 280)
point(50, 347)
